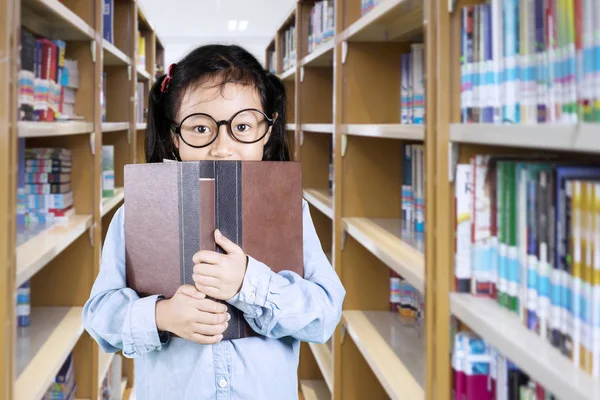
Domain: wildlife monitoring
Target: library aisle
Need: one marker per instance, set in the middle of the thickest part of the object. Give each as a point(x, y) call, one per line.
point(449, 159)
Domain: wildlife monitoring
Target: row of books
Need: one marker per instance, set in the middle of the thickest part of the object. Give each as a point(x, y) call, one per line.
point(528, 234)
point(47, 81)
point(479, 371)
point(530, 62)
point(44, 192)
point(412, 93)
point(289, 47)
point(103, 95)
point(368, 5)
point(64, 386)
point(405, 299)
point(321, 25)
point(413, 187)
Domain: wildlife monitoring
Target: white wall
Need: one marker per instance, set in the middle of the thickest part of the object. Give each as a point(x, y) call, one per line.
point(176, 49)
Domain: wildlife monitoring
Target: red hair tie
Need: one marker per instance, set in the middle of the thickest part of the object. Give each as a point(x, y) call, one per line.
point(165, 83)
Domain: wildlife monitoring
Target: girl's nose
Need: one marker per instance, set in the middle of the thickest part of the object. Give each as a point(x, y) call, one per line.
point(222, 147)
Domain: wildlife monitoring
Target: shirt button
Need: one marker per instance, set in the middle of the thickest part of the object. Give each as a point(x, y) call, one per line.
point(222, 383)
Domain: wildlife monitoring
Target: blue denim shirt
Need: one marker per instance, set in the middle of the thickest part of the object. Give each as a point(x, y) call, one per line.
point(284, 308)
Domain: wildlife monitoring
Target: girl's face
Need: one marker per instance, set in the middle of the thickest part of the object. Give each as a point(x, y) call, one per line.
point(220, 102)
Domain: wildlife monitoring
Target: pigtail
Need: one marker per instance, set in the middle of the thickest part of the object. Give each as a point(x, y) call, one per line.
point(277, 148)
point(159, 143)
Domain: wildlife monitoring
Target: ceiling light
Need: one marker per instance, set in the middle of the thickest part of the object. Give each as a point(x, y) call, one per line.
point(243, 25)
point(232, 25)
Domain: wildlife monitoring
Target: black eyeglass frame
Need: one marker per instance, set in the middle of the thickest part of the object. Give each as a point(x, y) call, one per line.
point(227, 123)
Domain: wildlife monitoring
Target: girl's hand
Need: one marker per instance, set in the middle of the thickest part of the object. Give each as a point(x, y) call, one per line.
point(217, 275)
point(190, 315)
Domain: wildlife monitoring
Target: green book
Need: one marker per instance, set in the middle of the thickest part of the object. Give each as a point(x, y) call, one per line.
point(108, 171)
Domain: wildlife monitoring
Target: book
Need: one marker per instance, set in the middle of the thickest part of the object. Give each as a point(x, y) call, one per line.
point(172, 210)
point(108, 20)
point(108, 171)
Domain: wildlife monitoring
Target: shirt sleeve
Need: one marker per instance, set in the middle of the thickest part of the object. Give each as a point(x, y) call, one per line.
point(285, 304)
point(114, 315)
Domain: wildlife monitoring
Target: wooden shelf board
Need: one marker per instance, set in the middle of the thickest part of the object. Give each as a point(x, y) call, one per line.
point(112, 55)
point(41, 248)
point(389, 20)
point(29, 129)
point(320, 199)
point(290, 127)
point(115, 126)
point(389, 131)
point(141, 126)
point(401, 250)
point(394, 352)
point(324, 359)
point(108, 203)
point(104, 362)
point(318, 128)
point(42, 348)
point(54, 20)
point(288, 74)
point(124, 388)
point(314, 390)
point(143, 74)
point(532, 353)
point(322, 56)
point(570, 137)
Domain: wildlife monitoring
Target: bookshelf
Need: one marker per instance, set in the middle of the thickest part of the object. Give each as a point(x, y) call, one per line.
point(349, 137)
point(61, 260)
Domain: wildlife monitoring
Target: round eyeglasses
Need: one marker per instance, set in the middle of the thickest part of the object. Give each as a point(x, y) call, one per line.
point(246, 126)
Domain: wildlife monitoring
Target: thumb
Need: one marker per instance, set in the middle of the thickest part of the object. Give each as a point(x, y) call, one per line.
point(191, 291)
point(226, 244)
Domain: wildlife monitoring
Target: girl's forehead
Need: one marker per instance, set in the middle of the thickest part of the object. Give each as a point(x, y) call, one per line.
point(219, 99)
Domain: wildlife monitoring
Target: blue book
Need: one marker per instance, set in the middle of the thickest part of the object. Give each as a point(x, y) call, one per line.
point(108, 20)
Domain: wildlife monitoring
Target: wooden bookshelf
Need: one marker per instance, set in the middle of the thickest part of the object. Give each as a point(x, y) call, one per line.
point(43, 347)
point(346, 98)
point(62, 260)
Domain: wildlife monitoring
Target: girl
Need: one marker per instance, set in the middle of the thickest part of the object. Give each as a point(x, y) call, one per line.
point(216, 83)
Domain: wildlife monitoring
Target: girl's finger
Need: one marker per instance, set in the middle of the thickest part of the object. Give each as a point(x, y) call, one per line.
point(208, 257)
point(208, 290)
point(203, 339)
point(204, 280)
point(227, 245)
point(210, 330)
point(216, 271)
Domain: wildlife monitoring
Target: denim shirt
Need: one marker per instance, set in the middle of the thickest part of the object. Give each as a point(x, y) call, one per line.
point(283, 308)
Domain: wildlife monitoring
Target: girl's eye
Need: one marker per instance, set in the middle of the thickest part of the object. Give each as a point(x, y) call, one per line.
point(242, 127)
point(201, 129)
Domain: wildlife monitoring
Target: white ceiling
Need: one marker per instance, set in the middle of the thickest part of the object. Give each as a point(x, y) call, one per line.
point(184, 24)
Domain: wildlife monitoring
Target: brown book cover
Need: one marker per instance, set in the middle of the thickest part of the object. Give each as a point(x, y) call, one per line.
point(173, 208)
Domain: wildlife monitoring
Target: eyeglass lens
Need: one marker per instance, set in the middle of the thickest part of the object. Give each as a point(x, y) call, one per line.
point(247, 126)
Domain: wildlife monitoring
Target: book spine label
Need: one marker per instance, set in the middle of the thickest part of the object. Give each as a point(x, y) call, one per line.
point(595, 302)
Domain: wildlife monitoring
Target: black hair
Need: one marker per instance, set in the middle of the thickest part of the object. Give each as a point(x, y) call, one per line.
point(223, 63)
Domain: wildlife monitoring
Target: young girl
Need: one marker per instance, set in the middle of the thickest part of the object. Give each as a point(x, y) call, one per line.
point(227, 84)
